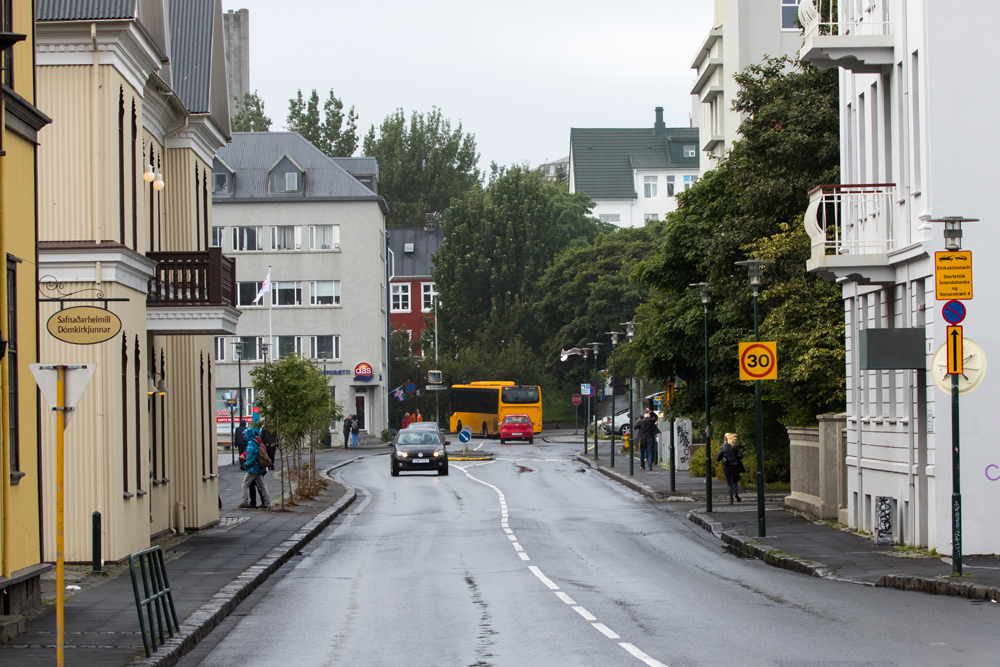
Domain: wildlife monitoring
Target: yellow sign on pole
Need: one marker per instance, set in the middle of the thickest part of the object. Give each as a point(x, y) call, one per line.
point(953, 275)
point(955, 352)
point(759, 361)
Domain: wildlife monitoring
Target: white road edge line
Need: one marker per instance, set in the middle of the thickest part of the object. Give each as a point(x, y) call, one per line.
point(606, 631)
point(523, 555)
point(586, 614)
point(652, 662)
point(545, 580)
point(565, 598)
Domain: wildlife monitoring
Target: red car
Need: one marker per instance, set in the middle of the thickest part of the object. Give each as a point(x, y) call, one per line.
point(517, 427)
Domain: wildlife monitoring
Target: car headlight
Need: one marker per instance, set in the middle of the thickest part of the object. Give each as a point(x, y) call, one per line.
point(439, 453)
point(402, 455)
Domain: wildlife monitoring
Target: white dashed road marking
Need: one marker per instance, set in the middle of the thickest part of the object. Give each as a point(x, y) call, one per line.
point(586, 614)
point(606, 631)
point(642, 656)
point(565, 598)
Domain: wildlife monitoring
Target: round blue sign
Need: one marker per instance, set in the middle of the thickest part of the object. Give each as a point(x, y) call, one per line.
point(410, 387)
point(465, 436)
point(953, 312)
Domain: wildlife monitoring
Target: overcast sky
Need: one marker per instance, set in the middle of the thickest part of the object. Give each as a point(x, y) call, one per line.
point(517, 74)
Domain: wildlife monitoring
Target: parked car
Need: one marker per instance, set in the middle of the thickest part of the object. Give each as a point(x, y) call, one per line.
point(621, 423)
point(517, 427)
point(418, 449)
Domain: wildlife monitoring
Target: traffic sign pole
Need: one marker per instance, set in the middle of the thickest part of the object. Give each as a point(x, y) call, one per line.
point(761, 521)
point(955, 369)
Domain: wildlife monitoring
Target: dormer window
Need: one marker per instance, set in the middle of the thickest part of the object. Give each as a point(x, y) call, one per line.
point(291, 182)
point(285, 176)
point(690, 150)
point(220, 183)
point(223, 179)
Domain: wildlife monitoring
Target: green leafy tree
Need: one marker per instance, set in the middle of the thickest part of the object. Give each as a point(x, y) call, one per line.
point(250, 117)
point(423, 164)
point(751, 206)
point(327, 131)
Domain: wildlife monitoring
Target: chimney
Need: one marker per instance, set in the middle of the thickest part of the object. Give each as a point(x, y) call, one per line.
point(659, 127)
point(429, 223)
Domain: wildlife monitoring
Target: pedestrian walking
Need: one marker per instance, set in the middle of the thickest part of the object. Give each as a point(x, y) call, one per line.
point(407, 420)
point(355, 430)
point(647, 435)
point(418, 418)
point(257, 462)
point(732, 466)
point(347, 429)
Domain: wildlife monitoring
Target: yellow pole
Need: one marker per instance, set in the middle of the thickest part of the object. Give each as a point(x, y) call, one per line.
point(60, 479)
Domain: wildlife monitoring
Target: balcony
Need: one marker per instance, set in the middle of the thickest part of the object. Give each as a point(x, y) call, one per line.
point(192, 294)
point(853, 34)
point(851, 229)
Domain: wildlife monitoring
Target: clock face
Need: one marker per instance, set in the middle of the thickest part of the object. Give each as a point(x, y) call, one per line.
point(973, 367)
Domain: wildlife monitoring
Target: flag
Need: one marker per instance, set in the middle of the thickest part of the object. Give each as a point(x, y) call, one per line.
point(266, 287)
point(398, 393)
point(566, 354)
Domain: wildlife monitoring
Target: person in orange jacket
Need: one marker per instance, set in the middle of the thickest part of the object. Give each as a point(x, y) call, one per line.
point(419, 417)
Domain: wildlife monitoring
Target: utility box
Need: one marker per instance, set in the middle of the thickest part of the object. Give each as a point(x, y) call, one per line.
point(892, 349)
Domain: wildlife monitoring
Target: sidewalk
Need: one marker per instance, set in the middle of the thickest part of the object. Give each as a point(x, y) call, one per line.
point(210, 572)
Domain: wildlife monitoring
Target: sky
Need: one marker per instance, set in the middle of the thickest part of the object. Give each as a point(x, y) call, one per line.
point(517, 74)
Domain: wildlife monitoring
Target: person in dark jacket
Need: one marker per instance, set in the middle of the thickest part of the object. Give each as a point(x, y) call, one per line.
point(647, 439)
point(732, 466)
point(253, 470)
point(347, 430)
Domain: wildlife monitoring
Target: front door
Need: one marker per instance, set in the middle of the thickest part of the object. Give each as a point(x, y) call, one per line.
point(359, 409)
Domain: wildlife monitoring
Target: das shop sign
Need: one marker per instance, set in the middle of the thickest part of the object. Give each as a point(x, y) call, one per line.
point(363, 372)
point(84, 325)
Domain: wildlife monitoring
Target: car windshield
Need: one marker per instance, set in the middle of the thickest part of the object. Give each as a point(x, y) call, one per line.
point(516, 419)
point(420, 438)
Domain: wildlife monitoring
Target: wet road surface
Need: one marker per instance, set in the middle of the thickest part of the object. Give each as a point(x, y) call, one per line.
point(534, 560)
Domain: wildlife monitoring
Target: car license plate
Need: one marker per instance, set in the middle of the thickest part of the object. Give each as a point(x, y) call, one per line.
point(517, 434)
point(420, 460)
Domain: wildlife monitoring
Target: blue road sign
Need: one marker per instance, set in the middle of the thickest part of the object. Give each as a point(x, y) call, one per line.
point(953, 312)
point(410, 387)
point(587, 389)
point(464, 436)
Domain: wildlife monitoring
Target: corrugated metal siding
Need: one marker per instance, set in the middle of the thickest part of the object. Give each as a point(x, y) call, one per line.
point(191, 23)
point(179, 233)
point(84, 10)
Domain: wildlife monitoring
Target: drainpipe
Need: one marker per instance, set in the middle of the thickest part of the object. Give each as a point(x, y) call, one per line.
point(95, 144)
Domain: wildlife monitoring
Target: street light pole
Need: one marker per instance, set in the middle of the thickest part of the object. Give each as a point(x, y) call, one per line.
point(586, 424)
point(437, 404)
point(754, 266)
point(614, 377)
point(630, 332)
point(706, 300)
point(238, 350)
point(595, 347)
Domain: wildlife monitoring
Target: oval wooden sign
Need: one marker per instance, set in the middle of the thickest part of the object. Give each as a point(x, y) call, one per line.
point(84, 325)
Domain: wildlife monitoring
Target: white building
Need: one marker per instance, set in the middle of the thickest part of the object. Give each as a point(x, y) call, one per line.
point(916, 145)
point(744, 32)
point(633, 174)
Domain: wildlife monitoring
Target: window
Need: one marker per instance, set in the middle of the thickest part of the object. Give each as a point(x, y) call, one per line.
point(324, 293)
point(286, 346)
point(611, 217)
point(217, 237)
point(650, 216)
point(324, 237)
point(670, 186)
point(12, 382)
point(689, 181)
point(649, 186)
point(248, 238)
point(286, 237)
point(400, 297)
point(220, 182)
point(246, 292)
point(789, 13)
point(915, 101)
point(690, 150)
point(324, 345)
point(291, 182)
point(287, 294)
point(221, 343)
point(429, 292)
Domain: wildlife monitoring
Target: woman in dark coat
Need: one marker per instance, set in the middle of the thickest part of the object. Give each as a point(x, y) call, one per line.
point(347, 430)
point(732, 466)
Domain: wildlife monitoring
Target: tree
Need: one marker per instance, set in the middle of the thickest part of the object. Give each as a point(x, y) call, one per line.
point(327, 133)
point(423, 165)
point(250, 117)
point(751, 206)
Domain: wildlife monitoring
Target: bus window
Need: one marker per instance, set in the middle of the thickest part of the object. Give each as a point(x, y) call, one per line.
point(519, 395)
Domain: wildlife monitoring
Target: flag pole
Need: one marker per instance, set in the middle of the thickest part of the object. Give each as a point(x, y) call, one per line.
point(270, 307)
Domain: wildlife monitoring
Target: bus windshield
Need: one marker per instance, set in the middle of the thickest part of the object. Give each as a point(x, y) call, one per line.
point(519, 394)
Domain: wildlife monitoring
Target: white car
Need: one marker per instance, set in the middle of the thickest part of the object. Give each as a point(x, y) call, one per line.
point(621, 423)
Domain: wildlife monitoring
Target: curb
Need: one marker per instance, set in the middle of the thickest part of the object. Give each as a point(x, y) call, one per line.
point(634, 485)
point(470, 458)
point(207, 617)
point(934, 586)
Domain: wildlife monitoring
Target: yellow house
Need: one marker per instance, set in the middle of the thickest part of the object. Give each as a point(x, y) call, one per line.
point(139, 90)
point(20, 537)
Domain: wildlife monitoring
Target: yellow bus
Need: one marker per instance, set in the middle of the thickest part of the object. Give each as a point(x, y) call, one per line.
point(483, 405)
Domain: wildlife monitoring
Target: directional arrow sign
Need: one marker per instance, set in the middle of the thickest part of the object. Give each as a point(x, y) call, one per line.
point(77, 378)
point(464, 436)
point(955, 352)
point(587, 389)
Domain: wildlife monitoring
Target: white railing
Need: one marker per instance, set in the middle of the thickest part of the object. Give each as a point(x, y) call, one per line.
point(844, 17)
point(851, 219)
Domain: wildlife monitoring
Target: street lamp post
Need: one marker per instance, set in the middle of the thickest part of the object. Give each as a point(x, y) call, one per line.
point(706, 301)
point(586, 423)
point(673, 429)
point(630, 332)
point(614, 358)
point(754, 267)
point(238, 351)
point(595, 347)
point(437, 404)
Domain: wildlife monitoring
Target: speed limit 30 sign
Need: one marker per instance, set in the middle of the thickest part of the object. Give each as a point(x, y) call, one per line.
point(758, 361)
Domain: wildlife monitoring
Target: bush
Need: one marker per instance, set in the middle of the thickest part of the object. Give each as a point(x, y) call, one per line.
point(388, 434)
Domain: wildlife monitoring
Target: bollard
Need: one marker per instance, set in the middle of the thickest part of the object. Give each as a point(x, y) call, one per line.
point(180, 518)
point(96, 542)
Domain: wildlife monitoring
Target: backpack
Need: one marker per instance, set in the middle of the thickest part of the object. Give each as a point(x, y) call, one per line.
point(355, 428)
point(263, 459)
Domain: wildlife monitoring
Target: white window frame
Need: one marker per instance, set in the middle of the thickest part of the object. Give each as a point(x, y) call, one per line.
point(649, 186)
point(221, 343)
point(647, 217)
point(613, 218)
point(275, 286)
point(690, 150)
point(313, 295)
point(215, 182)
point(781, 17)
point(313, 348)
point(296, 344)
point(291, 181)
point(296, 238)
point(424, 294)
point(257, 285)
point(335, 241)
point(236, 236)
point(403, 292)
point(689, 180)
point(218, 234)
point(671, 192)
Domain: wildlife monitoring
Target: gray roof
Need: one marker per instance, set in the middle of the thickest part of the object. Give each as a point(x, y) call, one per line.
point(603, 158)
point(191, 29)
point(84, 10)
point(425, 244)
point(252, 154)
point(358, 166)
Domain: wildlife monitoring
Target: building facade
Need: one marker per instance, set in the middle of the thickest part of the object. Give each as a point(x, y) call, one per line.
point(286, 210)
point(905, 118)
point(139, 89)
point(633, 174)
point(743, 33)
point(411, 290)
point(21, 558)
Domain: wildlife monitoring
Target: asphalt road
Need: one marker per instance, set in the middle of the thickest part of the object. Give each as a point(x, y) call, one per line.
point(534, 560)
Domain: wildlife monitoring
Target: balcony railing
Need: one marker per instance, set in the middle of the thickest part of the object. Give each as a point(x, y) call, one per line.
point(851, 219)
point(844, 17)
point(202, 278)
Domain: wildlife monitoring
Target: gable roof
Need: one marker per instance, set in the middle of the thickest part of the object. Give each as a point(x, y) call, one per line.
point(358, 166)
point(252, 155)
point(419, 262)
point(84, 10)
point(603, 158)
point(191, 31)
